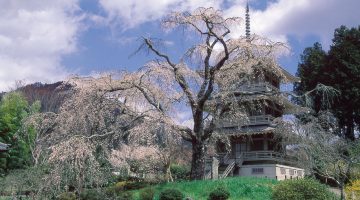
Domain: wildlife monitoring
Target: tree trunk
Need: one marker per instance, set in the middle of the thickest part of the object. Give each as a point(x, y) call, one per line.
point(342, 194)
point(198, 160)
point(168, 175)
point(349, 130)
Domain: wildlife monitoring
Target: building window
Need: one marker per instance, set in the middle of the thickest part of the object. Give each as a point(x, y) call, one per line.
point(300, 173)
point(257, 170)
point(282, 170)
point(291, 171)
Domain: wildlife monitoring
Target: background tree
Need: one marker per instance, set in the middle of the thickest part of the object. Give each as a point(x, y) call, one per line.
point(93, 127)
point(320, 151)
point(309, 70)
point(344, 68)
point(339, 68)
point(14, 109)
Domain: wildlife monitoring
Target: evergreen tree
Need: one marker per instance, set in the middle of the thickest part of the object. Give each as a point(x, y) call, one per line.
point(343, 70)
point(310, 71)
point(339, 68)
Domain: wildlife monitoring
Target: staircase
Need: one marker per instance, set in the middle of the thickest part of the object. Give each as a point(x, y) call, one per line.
point(207, 176)
point(228, 169)
point(230, 165)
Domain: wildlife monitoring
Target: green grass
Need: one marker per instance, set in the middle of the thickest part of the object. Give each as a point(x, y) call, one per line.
point(240, 188)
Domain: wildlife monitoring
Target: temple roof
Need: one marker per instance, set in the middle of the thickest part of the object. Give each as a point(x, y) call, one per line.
point(289, 77)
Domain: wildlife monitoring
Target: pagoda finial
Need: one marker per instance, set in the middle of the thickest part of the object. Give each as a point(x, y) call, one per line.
point(247, 22)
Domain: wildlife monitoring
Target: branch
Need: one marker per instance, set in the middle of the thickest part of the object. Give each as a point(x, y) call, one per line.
point(179, 77)
point(153, 102)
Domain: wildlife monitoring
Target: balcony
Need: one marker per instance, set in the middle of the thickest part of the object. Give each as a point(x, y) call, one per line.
point(262, 155)
point(263, 87)
point(256, 156)
point(252, 121)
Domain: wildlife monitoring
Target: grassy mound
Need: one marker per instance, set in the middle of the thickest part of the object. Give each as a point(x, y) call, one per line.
point(240, 188)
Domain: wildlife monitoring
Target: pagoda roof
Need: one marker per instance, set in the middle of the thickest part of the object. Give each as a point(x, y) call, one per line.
point(289, 77)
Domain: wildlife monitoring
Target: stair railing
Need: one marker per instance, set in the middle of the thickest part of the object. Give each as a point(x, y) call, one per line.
point(228, 169)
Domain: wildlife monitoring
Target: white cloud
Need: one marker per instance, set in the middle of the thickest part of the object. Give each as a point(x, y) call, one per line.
point(300, 18)
point(129, 14)
point(279, 19)
point(34, 34)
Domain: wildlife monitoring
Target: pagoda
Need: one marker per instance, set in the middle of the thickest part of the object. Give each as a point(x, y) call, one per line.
point(254, 149)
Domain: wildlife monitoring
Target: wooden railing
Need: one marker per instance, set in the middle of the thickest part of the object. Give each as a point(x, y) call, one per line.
point(224, 158)
point(207, 176)
point(258, 87)
point(257, 156)
point(262, 155)
point(228, 169)
point(252, 120)
point(260, 119)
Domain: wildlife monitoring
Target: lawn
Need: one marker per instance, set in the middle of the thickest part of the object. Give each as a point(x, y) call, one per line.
point(240, 188)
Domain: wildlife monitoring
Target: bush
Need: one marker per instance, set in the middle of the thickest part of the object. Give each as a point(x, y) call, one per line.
point(171, 194)
point(352, 190)
point(115, 189)
point(66, 196)
point(219, 193)
point(180, 172)
point(125, 196)
point(300, 189)
point(147, 194)
point(134, 185)
point(119, 186)
point(91, 195)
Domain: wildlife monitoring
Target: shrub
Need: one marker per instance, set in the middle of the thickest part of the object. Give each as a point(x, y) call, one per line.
point(147, 194)
point(171, 194)
point(91, 195)
point(66, 196)
point(220, 193)
point(125, 196)
point(300, 189)
point(134, 185)
point(116, 189)
point(119, 186)
point(352, 190)
point(180, 172)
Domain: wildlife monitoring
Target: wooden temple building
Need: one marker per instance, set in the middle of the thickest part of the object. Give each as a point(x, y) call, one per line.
point(254, 149)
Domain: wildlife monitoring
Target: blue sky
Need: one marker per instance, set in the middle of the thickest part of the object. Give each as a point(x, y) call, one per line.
point(42, 40)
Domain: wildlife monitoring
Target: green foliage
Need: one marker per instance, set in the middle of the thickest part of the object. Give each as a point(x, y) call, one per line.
point(244, 188)
point(180, 172)
point(91, 195)
point(220, 193)
point(121, 187)
point(22, 181)
point(339, 68)
point(125, 196)
point(134, 185)
point(116, 189)
point(147, 194)
point(301, 189)
point(13, 110)
point(352, 190)
point(66, 196)
point(309, 69)
point(171, 194)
